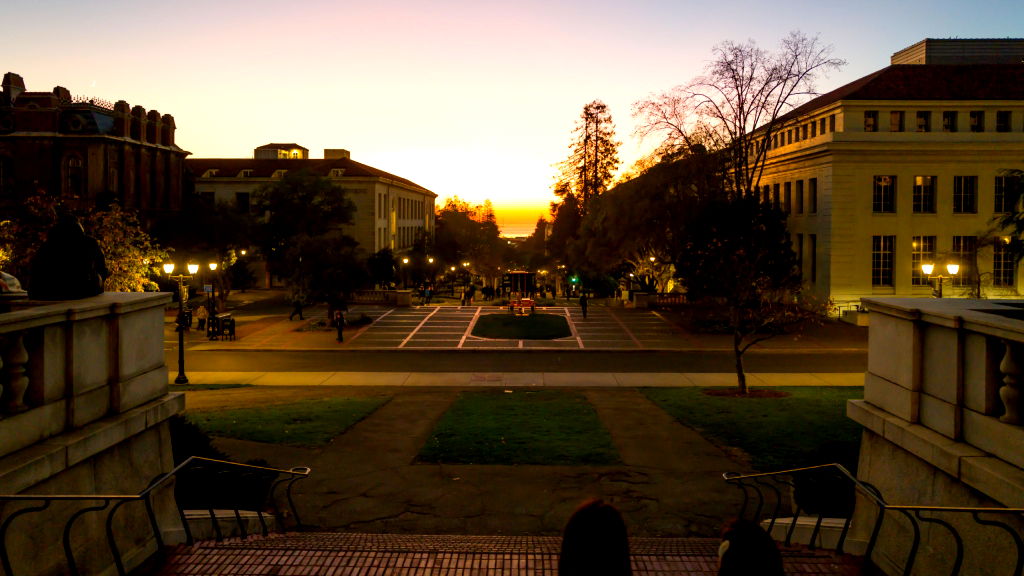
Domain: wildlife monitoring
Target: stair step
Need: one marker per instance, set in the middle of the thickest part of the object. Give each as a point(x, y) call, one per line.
point(330, 553)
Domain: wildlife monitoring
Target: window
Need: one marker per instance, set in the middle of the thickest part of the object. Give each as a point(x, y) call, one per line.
point(1002, 265)
point(949, 121)
point(799, 196)
point(812, 239)
point(896, 118)
point(207, 198)
point(812, 196)
point(924, 194)
point(787, 202)
point(821, 126)
point(74, 173)
point(977, 120)
point(883, 196)
point(814, 129)
point(1006, 194)
point(804, 132)
point(766, 194)
point(789, 136)
point(1003, 121)
point(923, 251)
point(963, 251)
point(924, 121)
point(871, 121)
point(796, 134)
point(831, 122)
point(965, 194)
point(775, 196)
point(242, 202)
point(775, 141)
point(883, 251)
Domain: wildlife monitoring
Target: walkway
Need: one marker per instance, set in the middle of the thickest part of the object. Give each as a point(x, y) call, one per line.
point(325, 554)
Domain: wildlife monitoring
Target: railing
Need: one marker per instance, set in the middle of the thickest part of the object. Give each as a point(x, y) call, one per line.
point(826, 473)
point(196, 467)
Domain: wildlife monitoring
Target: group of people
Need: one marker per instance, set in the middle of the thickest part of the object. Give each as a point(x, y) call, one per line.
point(595, 543)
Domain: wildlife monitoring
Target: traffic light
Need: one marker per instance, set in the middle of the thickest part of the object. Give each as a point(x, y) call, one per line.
point(574, 279)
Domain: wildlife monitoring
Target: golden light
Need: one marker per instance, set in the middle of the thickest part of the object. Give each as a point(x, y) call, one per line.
point(1006, 239)
point(193, 268)
point(213, 266)
point(651, 258)
point(453, 268)
point(952, 269)
point(405, 260)
point(927, 269)
point(430, 260)
point(242, 252)
point(466, 264)
point(168, 267)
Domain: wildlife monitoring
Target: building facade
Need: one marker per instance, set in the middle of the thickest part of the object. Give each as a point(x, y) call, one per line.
point(391, 212)
point(903, 167)
point(86, 150)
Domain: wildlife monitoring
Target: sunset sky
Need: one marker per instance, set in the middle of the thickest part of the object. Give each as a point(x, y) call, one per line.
point(470, 98)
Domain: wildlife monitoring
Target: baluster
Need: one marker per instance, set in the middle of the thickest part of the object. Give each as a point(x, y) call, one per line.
point(15, 357)
point(1010, 391)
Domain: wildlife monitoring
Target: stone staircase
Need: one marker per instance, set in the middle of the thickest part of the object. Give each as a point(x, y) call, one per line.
point(334, 554)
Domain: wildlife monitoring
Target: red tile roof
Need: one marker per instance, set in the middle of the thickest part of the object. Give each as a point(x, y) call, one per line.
point(231, 167)
point(290, 146)
point(928, 82)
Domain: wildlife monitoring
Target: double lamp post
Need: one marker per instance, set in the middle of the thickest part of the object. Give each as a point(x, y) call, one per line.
point(182, 323)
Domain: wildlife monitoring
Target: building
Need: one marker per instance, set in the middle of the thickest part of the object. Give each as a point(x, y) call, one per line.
point(902, 167)
point(390, 211)
point(87, 150)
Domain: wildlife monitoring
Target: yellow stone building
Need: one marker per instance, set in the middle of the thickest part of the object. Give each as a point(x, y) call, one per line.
point(902, 167)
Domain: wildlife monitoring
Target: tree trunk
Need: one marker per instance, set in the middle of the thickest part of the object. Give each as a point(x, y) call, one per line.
point(737, 341)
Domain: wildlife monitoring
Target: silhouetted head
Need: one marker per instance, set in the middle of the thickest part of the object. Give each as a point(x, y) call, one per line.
point(747, 549)
point(595, 542)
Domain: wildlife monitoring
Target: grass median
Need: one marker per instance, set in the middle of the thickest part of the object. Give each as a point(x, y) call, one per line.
point(546, 427)
point(807, 426)
point(309, 423)
point(530, 327)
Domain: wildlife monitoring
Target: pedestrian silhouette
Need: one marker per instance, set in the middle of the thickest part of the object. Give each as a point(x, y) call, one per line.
point(594, 542)
point(583, 304)
point(747, 549)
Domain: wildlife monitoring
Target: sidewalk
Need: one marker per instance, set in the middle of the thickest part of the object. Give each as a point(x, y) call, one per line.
point(520, 379)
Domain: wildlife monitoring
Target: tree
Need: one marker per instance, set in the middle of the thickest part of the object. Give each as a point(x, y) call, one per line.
point(593, 157)
point(468, 233)
point(739, 103)
point(737, 256)
point(301, 210)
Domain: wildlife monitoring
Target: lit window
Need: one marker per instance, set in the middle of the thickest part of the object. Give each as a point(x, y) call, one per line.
point(923, 251)
point(871, 121)
point(924, 121)
point(977, 119)
point(924, 194)
point(896, 118)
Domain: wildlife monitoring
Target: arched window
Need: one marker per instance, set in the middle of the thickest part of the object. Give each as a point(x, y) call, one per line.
point(74, 176)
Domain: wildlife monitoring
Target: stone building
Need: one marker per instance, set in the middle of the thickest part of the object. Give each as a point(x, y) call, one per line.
point(390, 210)
point(902, 167)
point(87, 150)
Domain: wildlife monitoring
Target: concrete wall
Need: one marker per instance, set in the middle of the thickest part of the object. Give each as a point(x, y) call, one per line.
point(85, 409)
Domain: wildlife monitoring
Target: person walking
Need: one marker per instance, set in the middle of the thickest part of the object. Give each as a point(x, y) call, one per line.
point(201, 315)
point(583, 304)
point(339, 324)
point(296, 306)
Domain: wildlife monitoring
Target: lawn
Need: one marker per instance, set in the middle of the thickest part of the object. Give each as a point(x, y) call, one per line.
point(520, 427)
point(308, 423)
point(531, 327)
point(807, 427)
point(198, 387)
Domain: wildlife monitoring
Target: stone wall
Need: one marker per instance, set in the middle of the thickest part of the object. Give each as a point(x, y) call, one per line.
point(936, 431)
point(84, 411)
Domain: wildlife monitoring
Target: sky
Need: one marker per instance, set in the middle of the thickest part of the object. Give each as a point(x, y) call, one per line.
point(475, 99)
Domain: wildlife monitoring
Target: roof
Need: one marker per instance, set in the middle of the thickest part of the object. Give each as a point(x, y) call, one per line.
point(928, 82)
point(230, 167)
point(290, 146)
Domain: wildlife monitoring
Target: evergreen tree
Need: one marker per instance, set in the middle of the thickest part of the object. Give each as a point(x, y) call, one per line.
point(593, 157)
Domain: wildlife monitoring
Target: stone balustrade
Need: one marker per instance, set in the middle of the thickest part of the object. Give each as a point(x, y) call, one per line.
point(83, 410)
point(943, 421)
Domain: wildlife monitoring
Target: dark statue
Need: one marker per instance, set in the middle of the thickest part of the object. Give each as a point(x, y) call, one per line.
point(69, 265)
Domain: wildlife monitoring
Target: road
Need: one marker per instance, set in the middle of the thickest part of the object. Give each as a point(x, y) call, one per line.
point(518, 361)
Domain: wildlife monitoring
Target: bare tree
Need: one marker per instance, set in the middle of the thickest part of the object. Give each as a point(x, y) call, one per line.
point(738, 103)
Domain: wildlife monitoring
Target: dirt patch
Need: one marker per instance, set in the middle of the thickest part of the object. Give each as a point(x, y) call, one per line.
point(751, 393)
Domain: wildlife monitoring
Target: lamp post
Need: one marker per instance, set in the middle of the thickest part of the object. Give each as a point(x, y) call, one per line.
point(182, 295)
point(209, 300)
point(928, 268)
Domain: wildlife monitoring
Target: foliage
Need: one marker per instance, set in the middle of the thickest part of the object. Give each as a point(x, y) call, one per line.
point(240, 276)
point(308, 423)
point(381, 267)
point(130, 253)
point(744, 88)
point(593, 156)
point(809, 426)
point(468, 233)
point(531, 327)
point(737, 255)
point(1012, 222)
point(550, 427)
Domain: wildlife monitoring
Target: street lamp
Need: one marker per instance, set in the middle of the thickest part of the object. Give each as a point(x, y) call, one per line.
point(928, 268)
point(182, 295)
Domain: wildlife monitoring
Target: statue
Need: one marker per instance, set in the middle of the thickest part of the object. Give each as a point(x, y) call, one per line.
point(69, 265)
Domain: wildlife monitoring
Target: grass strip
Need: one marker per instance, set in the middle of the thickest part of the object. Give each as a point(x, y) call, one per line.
point(809, 426)
point(198, 387)
point(309, 423)
point(547, 427)
point(531, 327)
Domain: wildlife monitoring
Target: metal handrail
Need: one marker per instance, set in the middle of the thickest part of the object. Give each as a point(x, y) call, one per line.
point(105, 501)
point(913, 513)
